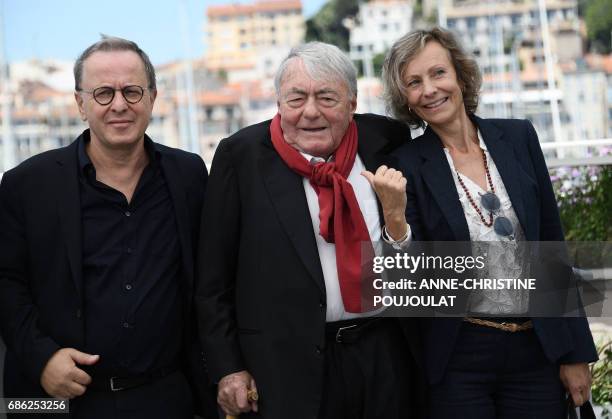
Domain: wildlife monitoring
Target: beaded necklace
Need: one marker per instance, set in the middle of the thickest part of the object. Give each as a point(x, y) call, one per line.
point(469, 197)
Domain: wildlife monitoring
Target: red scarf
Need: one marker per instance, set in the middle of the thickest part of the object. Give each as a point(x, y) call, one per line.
point(341, 220)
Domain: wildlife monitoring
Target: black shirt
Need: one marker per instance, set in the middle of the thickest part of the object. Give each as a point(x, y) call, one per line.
point(131, 271)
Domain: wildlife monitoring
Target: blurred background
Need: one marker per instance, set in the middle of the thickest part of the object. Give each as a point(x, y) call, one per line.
point(548, 61)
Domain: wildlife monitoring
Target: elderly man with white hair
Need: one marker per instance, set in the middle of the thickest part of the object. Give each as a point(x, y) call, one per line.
point(283, 308)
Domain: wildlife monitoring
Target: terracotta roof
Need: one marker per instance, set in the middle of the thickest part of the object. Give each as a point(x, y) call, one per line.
point(254, 89)
point(26, 113)
point(65, 111)
point(219, 97)
point(36, 91)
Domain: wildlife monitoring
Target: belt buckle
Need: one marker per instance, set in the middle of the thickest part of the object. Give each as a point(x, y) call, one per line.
point(510, 327)
point(341, 329)
point(112, 384)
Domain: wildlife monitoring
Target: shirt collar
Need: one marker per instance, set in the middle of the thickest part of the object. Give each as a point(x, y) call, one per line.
point(481, 142)
point(85, 164)
point(313, 159)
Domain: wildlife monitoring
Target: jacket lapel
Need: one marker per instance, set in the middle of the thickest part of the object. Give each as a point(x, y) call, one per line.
point(69, 211)
point(439, 179)
point(287, 195)
point(370, 145)
point(506, 161)
point(371, 150)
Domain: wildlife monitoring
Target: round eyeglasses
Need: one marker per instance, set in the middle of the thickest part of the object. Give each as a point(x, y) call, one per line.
point(105, 95)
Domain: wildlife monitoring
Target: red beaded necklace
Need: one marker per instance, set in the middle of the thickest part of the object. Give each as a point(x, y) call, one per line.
point(469, 197)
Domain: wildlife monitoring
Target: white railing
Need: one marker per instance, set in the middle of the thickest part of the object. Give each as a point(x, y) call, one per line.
point(578, 157)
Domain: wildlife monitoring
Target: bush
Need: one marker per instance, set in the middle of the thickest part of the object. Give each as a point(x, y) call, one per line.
point(584, 196)
point(601, 388)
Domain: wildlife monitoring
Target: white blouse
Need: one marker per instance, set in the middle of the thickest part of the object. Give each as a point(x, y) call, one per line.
point(504, 256)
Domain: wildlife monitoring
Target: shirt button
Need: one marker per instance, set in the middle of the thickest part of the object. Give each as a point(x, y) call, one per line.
point(128, 287)
point(321, 304)
point(127, 213)
point(318, 350)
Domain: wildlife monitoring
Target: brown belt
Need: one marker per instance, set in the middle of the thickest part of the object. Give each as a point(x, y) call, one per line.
point(505, 326)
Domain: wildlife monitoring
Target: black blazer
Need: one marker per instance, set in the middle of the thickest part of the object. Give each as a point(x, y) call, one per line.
point(434, 213)
point(261, 296)
point(41, 296)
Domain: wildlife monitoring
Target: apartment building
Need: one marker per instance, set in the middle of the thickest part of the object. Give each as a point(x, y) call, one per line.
point(378, 24)
point(237, 34)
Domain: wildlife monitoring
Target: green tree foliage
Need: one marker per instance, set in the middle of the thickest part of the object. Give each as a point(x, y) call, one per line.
point(327, 26)
point(601, 372)
point(598, 17)
point(377, 63)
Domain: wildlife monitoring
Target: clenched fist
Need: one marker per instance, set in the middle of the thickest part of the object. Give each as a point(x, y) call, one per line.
point(390, 187)
point(62, 378)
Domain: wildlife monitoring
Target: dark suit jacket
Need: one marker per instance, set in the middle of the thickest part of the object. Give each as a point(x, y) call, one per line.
point(41, 298)
point(261, 297)
point(434, 213)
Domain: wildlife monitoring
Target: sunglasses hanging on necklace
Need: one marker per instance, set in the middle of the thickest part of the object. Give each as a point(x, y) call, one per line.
point(490, 202)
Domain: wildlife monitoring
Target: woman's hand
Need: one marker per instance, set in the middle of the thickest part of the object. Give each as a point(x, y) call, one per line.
point(390, 187)
point(576, 379)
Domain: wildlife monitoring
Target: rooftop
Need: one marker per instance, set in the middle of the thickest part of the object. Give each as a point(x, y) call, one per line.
point(257, 7)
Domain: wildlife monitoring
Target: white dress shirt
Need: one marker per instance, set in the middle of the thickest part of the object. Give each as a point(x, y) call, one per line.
point(366, 198)
point(504, 256)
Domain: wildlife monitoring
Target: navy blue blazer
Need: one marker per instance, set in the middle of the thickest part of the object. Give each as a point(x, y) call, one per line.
point(434, 213)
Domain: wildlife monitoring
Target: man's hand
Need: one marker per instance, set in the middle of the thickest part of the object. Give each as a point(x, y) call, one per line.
point(232, 393)
point(390, 187)
point(577, 381)
point(61, 378)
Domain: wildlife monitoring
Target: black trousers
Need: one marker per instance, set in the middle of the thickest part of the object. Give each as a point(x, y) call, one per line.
point(165, 398)
point(494, 374)
point(168, 397)
point(371, 378)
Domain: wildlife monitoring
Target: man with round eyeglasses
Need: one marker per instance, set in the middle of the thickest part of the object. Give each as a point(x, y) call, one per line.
point(97, 245)
point(105, 95)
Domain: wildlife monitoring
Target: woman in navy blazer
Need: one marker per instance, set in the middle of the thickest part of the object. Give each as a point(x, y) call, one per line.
point(480, 368)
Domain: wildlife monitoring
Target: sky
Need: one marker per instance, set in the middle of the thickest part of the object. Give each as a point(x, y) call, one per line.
point(61, 29)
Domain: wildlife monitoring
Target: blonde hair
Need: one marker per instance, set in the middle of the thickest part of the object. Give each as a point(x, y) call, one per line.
point(405, 49)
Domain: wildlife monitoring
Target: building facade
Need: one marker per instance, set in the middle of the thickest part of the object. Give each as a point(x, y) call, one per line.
point(237, 33)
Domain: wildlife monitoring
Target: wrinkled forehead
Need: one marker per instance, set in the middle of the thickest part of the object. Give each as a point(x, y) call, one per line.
point(299, 76)
point(104, 64)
